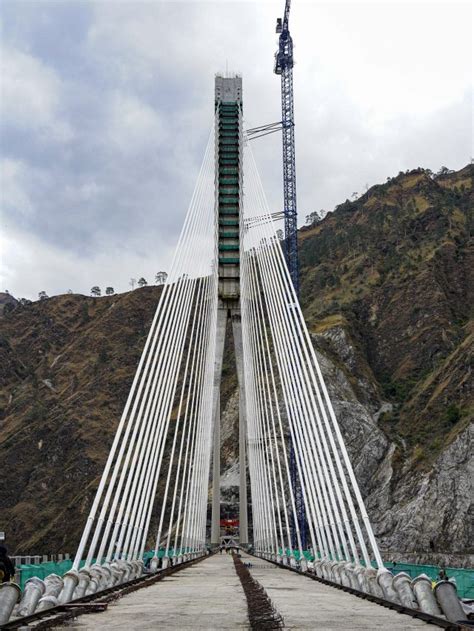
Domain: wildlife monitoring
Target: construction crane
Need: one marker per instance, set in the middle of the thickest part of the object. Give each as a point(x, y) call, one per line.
point(284, 67)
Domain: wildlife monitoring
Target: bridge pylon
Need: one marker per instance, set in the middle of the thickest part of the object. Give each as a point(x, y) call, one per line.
point(229, 214)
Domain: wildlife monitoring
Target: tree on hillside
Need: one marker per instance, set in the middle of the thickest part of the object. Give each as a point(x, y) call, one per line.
point(95, 291)
point(109, 291)
point(160, 278)
point(142, 282)
point(69, 291)
point(444, 171)
point(314, 217)
point(42, 295)
point(132, 283)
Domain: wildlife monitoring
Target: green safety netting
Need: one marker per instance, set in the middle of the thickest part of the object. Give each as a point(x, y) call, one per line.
point(42, 570)
point(296, 553)
point(464, 577)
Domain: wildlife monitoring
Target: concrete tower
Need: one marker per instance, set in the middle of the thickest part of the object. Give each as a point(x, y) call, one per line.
point(228, 191)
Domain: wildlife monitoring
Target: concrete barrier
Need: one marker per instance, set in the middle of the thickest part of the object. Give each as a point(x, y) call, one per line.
point(94, 582)
point(127, 571)
point(83, 582)
point(141, 566)
point(9, 596)
point(424, 595)
point(102, 573)
point(385, 580)
point(53, 584)
point(448, 600)
point(350, 570)
point(344, 573)
point(332, 565)
point(374, 587)
point(402, 584)
point(46, 602)
point(70, 581)
point(359, 572)
point(33, 591)
point(117, 572)
point(325, 570)
point(107, 576)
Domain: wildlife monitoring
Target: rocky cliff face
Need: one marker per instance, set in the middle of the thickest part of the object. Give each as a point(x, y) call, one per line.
point(387, 286)
point(386, 290)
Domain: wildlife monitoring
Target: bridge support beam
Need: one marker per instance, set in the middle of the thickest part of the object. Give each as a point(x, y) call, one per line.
point(239, 358)
point(216, 399)
point(216, 478)
point(9, 596)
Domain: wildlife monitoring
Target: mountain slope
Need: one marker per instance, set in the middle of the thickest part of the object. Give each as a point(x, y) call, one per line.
point(395, 269)
point(386, 285)
point(68, 363)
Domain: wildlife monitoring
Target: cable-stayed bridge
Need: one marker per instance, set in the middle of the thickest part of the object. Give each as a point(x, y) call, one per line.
point(229, 267)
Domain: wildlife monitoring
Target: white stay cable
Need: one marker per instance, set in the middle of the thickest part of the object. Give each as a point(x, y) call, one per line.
point(273, 395)
point(187, 427)
point(142, 496)
point(197, 470)
point(335, 426)
point(177, 428)
point(127, 420)
point(265, 404)
point(361, 541)
point(179, 290)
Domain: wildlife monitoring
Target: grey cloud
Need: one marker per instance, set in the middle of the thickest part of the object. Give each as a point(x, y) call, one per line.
point(100, 174)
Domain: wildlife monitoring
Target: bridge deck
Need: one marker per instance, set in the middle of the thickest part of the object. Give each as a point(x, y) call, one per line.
point(208, 595)
point(307, 604)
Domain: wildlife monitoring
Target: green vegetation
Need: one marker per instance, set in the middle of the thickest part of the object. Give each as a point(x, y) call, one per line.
point(391, 267)
point(452, 414)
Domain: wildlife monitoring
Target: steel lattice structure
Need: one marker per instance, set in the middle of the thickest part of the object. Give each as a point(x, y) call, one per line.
point(284, 67)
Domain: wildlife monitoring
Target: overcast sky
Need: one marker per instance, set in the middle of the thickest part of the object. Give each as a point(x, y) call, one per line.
point(106, 108)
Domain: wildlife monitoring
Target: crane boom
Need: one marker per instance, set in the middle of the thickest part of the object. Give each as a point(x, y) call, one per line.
point(284, 67)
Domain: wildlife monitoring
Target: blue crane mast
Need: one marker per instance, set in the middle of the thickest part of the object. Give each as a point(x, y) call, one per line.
point(284, 67)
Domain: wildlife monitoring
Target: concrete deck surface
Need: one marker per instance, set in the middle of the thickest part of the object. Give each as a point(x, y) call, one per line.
point(308, 604)
point(209, 595)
